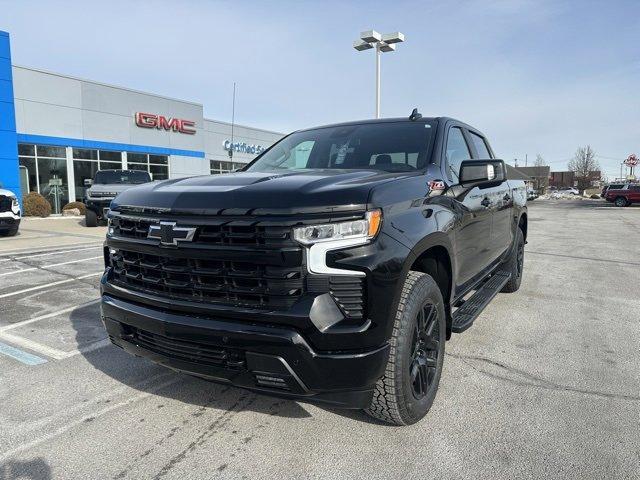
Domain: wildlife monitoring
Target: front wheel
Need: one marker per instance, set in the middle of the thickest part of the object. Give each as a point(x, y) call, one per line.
point(408, 387)
point(90, 218)
point(621, 202)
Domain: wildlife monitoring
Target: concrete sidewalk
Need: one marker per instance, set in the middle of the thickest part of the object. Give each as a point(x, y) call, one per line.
point(52, 232)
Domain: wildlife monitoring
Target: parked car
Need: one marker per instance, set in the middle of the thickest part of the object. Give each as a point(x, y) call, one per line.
point(10, 213)
point(568, 191)
point(531, 194)
point(331, 269)
point(104, 187)
point(624, 196)
point(612, 186)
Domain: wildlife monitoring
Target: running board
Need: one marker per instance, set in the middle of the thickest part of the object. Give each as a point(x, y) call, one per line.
point(466, 314)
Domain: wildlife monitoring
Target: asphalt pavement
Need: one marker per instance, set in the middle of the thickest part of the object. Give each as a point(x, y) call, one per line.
point(545, 384)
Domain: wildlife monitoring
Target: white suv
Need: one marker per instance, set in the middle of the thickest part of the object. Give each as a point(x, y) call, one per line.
point(10, 213)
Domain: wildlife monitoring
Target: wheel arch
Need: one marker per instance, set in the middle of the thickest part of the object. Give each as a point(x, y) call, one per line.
point(523, 224)
point(433, 256)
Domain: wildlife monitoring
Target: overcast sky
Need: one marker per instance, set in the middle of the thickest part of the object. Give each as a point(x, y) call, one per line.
point(534, 76)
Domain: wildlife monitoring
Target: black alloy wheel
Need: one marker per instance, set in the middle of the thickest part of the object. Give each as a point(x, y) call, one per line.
point(424, 359)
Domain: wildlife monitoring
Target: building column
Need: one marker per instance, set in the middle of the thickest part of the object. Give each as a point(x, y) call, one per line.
point(9, 166)
point(125, 165)
point(71, 179)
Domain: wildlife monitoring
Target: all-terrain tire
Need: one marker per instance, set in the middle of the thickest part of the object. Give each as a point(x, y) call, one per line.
point(621, 202)
point(515, 264)
point(394, 398)
point(90, 218)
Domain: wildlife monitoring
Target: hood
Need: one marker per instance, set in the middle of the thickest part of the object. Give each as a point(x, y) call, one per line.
point(7, 193)
point(258, 193)
point(105, 188)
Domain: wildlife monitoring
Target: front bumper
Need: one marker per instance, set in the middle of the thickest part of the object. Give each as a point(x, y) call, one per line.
point(9, 220)
point(99, 205)
point(270, 359)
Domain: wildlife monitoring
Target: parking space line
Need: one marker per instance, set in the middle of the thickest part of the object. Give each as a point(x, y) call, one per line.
point(34, 346)
point(21, 356)
point(93, 415)
point(44, 267)
point(52, 284)
point(26, 252)
point(58, 252)
point(45, 316)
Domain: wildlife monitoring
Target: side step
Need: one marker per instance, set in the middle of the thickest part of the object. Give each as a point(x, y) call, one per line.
point(466, 314)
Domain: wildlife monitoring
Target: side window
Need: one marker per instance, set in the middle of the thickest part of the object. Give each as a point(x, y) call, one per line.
point(481, 146)
point(457, 151)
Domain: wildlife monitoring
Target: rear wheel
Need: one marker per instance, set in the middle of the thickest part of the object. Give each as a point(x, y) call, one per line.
point(90, 218)
point(408, 388)
point(621, 202)
point(515, 264)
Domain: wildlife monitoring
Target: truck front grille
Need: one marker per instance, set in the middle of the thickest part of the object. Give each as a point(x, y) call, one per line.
point(217, 232)
point(5, 203)
point(209, 280)
point(196, 352)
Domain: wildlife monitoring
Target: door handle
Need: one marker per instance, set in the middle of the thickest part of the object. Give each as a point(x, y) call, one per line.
point(485, 202)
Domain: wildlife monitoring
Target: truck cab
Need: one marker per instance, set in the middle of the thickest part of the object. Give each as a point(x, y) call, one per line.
point(332, 269)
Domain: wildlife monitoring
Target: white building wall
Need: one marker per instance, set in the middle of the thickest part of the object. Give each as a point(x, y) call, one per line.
point(52, 105)
point(216, 133)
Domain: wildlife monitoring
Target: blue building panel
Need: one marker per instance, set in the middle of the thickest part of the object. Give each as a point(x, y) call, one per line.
point(126, 147)
point(9, 167)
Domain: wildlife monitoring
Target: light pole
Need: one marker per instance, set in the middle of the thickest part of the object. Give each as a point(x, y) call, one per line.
point(382, 43)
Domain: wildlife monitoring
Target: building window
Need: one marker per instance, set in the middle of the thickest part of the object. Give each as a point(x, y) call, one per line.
point(224, 167)
point(156, 165)
point(86, 162)
point(46, 172)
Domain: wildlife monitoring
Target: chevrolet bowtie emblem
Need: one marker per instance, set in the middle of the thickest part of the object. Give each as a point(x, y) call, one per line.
point(170, 235)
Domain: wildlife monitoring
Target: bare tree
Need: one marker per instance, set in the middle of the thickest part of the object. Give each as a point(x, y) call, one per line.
point(584, 166)
point(540, 174)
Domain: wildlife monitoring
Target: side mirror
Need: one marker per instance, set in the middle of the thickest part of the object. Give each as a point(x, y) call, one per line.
point(482, 173)
point(88, 182)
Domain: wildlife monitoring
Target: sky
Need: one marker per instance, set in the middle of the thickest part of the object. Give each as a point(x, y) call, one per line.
point(537, 77)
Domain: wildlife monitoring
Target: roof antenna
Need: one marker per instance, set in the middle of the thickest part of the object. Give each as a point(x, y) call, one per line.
point(415, 115)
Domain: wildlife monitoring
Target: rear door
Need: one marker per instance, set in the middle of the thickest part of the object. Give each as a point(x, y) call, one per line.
point(474, 230)
point(501, 199)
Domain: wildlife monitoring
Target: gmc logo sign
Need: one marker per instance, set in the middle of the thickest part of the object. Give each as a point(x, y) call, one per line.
point(160, 122)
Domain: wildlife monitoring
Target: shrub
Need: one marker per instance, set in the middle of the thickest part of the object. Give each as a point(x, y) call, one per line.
point(35, 205)
point(79, 205)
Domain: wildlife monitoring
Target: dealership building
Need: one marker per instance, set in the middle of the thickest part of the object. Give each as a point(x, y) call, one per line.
point(56, 131)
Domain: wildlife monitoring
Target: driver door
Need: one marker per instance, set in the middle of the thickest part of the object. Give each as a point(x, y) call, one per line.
point(472, 237)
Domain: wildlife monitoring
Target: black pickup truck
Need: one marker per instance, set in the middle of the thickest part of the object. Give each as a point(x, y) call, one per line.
point(331, 269)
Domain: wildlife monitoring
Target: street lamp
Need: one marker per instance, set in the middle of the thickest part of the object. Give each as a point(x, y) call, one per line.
point(382, 44)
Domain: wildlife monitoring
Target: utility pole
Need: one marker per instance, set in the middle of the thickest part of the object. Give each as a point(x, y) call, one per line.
point(233, 120)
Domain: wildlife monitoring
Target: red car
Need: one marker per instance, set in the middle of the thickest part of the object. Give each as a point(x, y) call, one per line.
point(624, 196)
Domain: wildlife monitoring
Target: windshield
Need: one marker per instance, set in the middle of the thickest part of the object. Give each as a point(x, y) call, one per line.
point(392, 147)
point(105, 177)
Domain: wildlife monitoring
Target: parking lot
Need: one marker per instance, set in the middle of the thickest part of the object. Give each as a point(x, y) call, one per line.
point(545, 384)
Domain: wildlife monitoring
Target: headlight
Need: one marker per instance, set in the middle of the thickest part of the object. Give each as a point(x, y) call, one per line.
point(14, 202)
point(365, 229)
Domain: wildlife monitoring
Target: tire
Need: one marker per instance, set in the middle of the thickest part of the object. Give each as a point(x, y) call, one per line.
point(12, 232)
point(90, 218)
point(621, 202)
point(515, 264)
point(400, 397)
